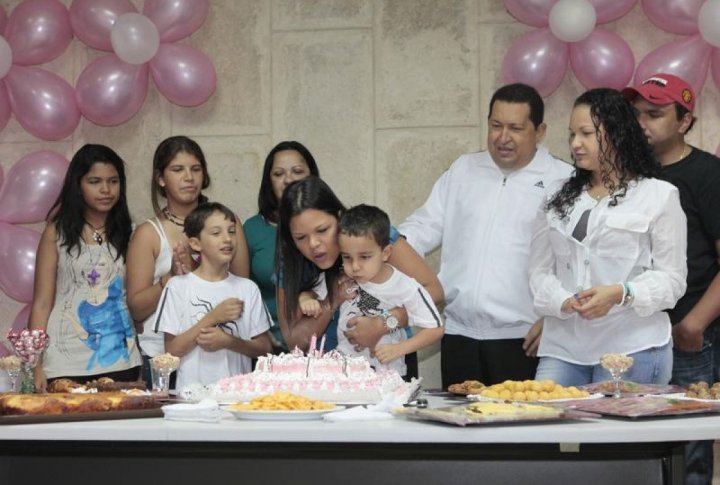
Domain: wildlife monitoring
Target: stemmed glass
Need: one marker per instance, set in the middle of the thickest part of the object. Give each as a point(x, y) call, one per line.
point(14, 373)
point(616, 365)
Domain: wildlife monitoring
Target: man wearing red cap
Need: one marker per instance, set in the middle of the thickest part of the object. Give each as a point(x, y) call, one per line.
point(664, 105)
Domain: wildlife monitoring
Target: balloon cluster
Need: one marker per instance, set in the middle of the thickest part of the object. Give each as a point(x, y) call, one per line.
point(31, 187)
point(36, 32)
point(567, 33)
point(29, 344)
point(112, 88)
point(689, 57)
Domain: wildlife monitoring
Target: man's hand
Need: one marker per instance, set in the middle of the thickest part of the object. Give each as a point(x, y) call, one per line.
point(686, 337)
point(532, 339)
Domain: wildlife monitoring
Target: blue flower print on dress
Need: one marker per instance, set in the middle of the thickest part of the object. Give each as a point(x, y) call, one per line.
point(108, 326)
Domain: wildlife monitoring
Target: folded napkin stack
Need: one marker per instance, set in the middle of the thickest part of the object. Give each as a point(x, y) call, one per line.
point(205, 411)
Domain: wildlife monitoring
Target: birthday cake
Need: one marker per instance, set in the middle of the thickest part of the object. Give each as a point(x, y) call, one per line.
point(329, 376)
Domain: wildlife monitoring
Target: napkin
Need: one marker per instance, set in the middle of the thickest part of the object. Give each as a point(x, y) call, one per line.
point(205, 411)
point(358, 413)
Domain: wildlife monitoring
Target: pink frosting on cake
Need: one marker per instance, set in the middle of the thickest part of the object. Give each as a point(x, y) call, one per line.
point(331, 377)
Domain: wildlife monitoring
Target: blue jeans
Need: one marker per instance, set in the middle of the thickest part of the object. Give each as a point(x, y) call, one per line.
point(651, 366)
point(692, 367)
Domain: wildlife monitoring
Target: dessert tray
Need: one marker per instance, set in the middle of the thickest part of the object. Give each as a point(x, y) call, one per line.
point(494, 413)
point(645, 406)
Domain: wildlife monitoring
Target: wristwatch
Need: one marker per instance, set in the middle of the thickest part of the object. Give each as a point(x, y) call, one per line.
point(391, 321)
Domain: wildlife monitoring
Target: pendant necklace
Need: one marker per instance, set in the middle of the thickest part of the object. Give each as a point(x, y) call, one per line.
point(173, 218)
point(97, 233)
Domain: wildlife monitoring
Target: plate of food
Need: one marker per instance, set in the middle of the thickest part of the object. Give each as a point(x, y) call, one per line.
point(629, 388)
point(530, 390)
point(259, 415)
point(466, 387)
point(281, 406)
point(489, 413)
point(646, 407)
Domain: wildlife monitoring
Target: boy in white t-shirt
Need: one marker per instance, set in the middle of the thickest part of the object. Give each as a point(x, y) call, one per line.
point(364, 239)
point(213, 320)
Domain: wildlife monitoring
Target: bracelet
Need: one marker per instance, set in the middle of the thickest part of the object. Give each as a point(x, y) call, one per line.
point(624, 295)
point(628, 295)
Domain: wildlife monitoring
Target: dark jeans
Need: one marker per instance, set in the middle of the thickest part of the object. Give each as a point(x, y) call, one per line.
point(689, 367)
point(488, 361)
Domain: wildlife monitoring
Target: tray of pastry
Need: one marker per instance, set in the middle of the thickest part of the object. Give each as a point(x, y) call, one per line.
point(495, 413)
point(58, 407)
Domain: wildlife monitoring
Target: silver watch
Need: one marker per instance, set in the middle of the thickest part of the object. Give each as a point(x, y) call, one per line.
point(391, 321)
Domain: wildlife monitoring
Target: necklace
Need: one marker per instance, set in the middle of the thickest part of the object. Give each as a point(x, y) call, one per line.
point(173, 218)
point(97, 233)
point(682, 155)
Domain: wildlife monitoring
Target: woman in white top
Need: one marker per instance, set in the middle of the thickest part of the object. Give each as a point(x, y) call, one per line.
point(608, 252)
point(158, 249)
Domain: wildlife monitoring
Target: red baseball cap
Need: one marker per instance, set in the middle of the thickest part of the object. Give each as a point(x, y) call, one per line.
point(663, 89)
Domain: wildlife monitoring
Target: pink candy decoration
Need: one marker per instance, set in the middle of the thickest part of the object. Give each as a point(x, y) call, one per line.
point(29, 344)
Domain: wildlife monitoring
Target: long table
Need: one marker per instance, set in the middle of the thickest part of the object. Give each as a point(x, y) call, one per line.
point(398, 451)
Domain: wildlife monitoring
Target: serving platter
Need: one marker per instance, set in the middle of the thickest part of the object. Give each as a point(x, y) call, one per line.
point(629, 388)
point(645, 406)
point(260, 415)
point(66, 418)
point(527, 414)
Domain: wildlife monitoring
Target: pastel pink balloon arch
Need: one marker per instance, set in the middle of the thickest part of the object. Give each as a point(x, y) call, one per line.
point(27, 193)
point(568, 34)
point(112, 88)
point(688, 57)
point(36, 32)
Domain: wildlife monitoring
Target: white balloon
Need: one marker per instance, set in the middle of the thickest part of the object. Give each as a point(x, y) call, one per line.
point(572, 20)
point(5, 57)
point(709, 22)
point(135, 38)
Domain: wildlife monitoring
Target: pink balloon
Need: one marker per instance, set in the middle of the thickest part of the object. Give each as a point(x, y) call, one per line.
point(18, 247)
point(530, 12)
point(33, 185)
point(688, 58)
point(43, 102)
point(715, 69)
point(38, 31)
point(3, 19)
point(110, 91)
point(183, 74)
point(609, 10)
point(676, 16)
point(603, 59)
point(539, 59)
point(21, 319)
point(4, 106)
point(176, 19)
point(92, 20)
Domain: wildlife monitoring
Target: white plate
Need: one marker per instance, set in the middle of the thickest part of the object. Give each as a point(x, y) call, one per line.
point(281, 415)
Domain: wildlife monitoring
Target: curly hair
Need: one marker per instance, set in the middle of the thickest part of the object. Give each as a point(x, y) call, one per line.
point(623, 150)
